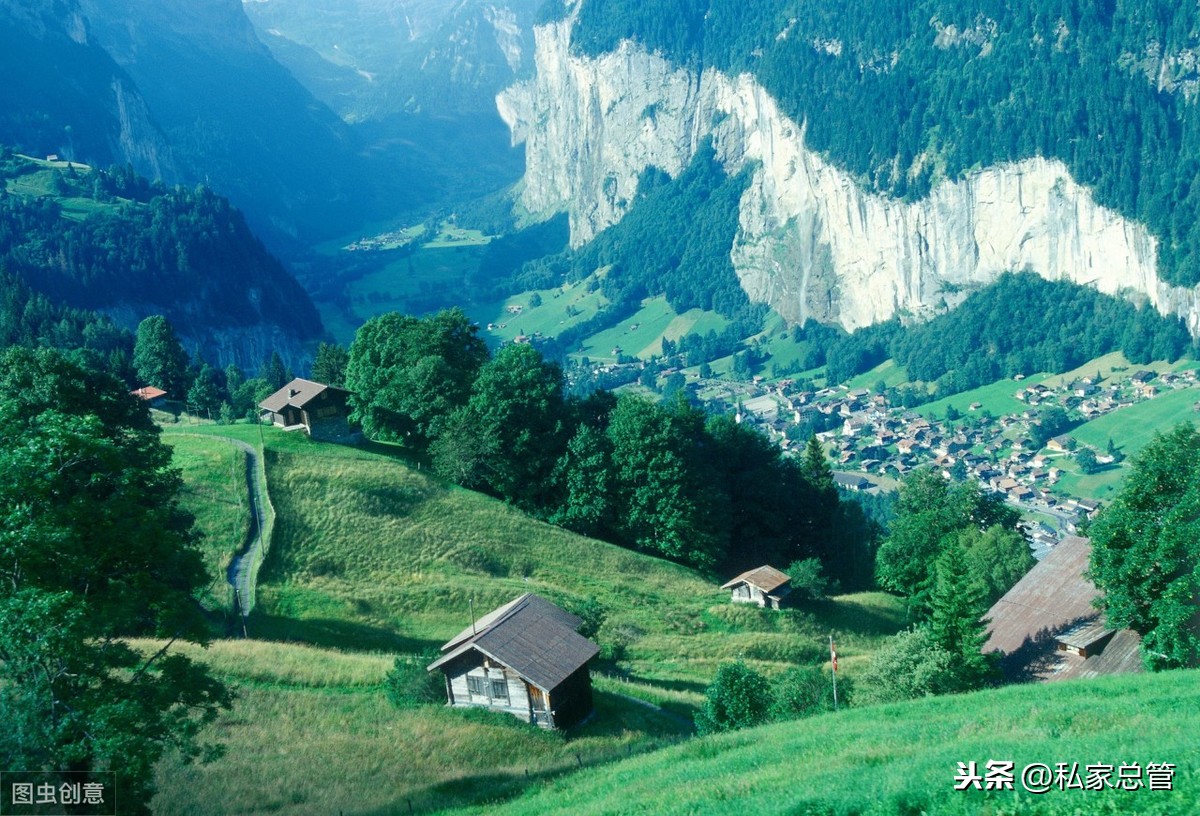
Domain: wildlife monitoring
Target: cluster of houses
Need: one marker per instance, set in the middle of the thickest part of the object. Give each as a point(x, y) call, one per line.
point(876, 440)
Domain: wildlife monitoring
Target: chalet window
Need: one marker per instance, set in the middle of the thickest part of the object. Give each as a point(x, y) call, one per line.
point(493, 688)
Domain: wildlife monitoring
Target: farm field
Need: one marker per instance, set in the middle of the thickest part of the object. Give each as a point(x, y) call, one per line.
point(1130, 429)
point(902, 758)
point(996, 398)
point(655, 321)
point(561, 307)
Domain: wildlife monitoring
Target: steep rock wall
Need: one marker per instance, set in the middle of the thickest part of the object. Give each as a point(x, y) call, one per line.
point(811, 242)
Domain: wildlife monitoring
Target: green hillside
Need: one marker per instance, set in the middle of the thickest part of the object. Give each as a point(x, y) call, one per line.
point(369, 552)
point(903, 758)
point(312, 732)
point(373, 559)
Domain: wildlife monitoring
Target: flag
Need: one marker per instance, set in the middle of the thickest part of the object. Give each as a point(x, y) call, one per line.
point(833, 654)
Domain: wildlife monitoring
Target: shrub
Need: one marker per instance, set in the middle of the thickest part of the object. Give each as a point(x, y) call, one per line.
point(807, 690)
point(738, 697)
point(409, 685)
point(908, 666)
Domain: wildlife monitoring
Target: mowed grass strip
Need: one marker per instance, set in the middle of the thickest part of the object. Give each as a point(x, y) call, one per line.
point(903, 758)
point(214, 491)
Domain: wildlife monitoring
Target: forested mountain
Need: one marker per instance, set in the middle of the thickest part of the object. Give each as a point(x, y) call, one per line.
point(899, 155)
point(186, 92)
point(904, 95)
point(421, 72)
point(114, 243)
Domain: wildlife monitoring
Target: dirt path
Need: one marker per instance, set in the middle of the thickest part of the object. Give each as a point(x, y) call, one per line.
point(242, 573)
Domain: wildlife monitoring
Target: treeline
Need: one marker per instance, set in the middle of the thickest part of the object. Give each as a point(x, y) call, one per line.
point(903, 95)
point(659, 477)
point(1020, 324)
point(185, 252)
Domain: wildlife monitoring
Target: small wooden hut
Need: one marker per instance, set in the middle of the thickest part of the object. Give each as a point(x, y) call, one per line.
point(319, 410)
point(524, 658)
point(765, 586)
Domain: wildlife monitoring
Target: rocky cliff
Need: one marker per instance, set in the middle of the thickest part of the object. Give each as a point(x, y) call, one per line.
point(811, 242)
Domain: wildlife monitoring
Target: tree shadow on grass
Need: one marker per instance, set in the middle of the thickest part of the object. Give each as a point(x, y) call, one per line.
point(334, 634)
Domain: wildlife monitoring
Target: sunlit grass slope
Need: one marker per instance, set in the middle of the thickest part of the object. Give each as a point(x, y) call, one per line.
point(214, 491)
point(311, 732)
point(902, 759)
point(371, 553)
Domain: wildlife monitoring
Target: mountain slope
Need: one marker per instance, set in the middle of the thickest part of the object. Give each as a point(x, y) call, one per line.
point(903, 758)
point(113, 243)
point(820, 236)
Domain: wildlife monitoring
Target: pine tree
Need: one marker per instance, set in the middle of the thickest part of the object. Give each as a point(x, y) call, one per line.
point(956, 621)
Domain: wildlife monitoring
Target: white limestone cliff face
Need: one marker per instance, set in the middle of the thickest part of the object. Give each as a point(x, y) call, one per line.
point(811, 242)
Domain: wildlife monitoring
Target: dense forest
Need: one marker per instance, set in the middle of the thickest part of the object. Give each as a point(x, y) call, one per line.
point(1020, 324)
point(904, 95)
point(109, 239)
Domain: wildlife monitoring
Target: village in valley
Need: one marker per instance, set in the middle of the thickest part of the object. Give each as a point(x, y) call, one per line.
point(874, 443)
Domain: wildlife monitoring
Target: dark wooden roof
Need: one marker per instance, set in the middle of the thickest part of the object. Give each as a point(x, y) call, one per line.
point(529, 635)
point(1053, 601)
point(764, 578)
point(298, 393)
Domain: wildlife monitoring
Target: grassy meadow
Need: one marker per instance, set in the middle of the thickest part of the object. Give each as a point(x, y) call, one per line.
point(902, 758)
point(214, 491)
point(311, 732)
point(371, 553)
point(371, 559)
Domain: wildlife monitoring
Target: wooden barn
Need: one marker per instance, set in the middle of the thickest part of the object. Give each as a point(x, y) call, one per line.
point(1046, 627)
point(319, 410)
point(524, 658)
point(765, 586)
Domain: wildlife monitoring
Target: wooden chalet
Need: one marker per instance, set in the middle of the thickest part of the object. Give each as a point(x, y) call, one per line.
point(524, 658)
point(1046, 627)
point(319, 410)
point(765, 586)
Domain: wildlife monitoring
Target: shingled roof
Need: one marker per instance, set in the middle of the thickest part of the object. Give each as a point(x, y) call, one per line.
point(298, 393)
point(765, 578)
point(1053, 602)
point(529, 635)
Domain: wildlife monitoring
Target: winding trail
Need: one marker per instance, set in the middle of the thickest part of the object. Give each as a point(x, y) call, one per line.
point(242, 573)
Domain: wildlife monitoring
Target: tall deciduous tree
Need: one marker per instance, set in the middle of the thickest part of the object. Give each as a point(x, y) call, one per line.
point(1146, 551)
point(159, 358)
point(928, 511)
point(666, 496)
point(408, 375)
point(516, 415)
point(93, 548)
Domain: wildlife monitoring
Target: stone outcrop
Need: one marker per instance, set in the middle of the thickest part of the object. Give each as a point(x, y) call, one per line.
point(811, 242)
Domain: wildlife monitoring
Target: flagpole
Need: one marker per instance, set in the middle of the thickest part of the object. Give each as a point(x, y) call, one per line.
point(833, 671)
